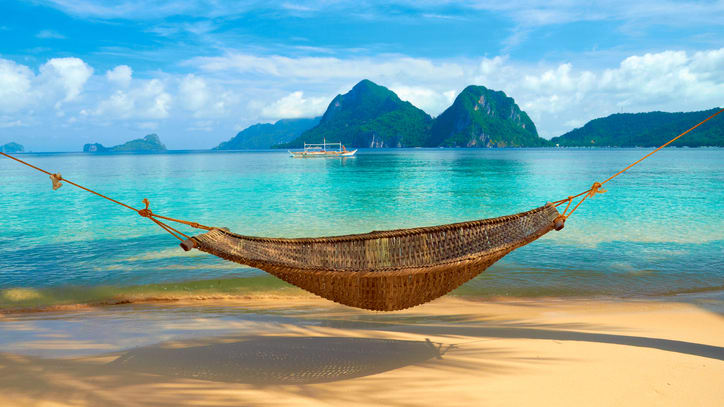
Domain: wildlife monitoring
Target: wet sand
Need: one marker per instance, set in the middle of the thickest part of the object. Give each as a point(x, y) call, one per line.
point(306, 351)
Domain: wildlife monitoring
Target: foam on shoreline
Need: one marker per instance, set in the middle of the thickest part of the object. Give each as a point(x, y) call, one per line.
point(50, 299)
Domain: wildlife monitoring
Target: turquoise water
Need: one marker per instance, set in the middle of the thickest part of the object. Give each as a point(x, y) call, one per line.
point(658, 231)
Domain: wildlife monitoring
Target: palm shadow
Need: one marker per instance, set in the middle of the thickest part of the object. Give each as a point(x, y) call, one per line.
point(520, 330)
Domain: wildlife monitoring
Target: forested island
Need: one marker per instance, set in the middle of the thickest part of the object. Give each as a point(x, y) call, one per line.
point(147, 144)
point(12, 147)
point(265, 135)
point(646, 130)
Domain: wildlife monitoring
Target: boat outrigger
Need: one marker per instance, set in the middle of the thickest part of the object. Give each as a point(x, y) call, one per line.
point(320, 150)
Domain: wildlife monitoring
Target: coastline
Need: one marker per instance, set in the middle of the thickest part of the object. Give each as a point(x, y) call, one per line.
point(233, 291)
point(301, 350)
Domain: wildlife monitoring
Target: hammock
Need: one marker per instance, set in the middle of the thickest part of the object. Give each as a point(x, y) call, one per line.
point(381, 271)
point(384, 271)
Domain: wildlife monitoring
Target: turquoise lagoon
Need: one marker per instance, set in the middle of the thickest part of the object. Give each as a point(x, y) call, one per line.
point(659, 230)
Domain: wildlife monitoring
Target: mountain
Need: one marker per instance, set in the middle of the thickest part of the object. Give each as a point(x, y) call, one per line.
point(265, 135)
point(369, 115)
point(12, 147)
point(149, 143)
point(646, 130)
point(481, 117)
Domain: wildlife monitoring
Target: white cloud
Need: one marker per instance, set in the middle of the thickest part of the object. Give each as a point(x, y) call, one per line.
point(15, 84)
point(523, 12)
point(194, 92)
point(383, 67)
point(203, 99)
point(548, 12)
point(295, 105)
point(450, 95)
point(50, 34)
point(153, 100)
point(296, 7)
point(67, 75)
point(426, 99)
point(148, 100)
point(575, 123)
point(139, 9)
point(119, 105)
point(60, 80)
point(120, 75)
point(6, 122)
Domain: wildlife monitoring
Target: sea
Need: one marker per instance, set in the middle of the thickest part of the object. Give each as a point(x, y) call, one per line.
point(658, 231)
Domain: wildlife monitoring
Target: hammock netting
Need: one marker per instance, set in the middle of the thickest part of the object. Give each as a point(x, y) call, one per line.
point(388, 270)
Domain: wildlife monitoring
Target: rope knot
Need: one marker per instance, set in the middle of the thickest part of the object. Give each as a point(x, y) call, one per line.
point(145, 212)
point(595, 189)
point(56, 178)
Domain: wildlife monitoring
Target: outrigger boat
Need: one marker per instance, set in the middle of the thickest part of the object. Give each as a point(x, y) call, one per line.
point(320, 150)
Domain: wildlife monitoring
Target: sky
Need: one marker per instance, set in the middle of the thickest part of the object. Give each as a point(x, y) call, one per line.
point(197, 71)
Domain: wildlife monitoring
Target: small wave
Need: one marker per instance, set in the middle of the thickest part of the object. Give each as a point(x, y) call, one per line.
point(22, 299)
point(162, 255)
point(573, 291)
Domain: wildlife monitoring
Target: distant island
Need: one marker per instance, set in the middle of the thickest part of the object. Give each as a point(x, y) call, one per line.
point(12, 147)
point(481, 117)
point(646, 130)
point(149, 143)
point(265, 135)
point(373, 116)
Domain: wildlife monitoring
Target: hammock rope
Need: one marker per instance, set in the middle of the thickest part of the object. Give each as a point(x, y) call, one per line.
point(57, 180)
point(595, 189)
point(387, 270)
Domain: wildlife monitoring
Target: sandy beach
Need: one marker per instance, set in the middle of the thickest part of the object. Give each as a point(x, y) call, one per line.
point(299, 350)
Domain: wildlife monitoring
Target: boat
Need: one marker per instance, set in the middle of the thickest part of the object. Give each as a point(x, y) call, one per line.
point(323, 150)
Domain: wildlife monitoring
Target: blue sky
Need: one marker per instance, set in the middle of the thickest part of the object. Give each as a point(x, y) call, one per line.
point(198, 71)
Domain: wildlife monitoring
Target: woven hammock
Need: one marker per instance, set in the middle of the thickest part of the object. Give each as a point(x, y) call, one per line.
point(388, 270)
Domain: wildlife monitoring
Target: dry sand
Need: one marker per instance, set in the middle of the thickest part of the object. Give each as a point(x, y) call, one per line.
point(309, 352)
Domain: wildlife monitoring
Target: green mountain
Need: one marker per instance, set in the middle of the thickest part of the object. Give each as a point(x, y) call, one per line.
point(369, 115)
point(646, 130)
point(149, 143)
point(480, 117)
point(12, 147)
point(266, 135)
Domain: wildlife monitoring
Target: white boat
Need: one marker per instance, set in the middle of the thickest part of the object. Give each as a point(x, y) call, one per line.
point(322, 151)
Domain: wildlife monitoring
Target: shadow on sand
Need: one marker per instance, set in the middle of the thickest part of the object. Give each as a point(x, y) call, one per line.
point(280, 360)
point(544, 332)
point(230, 370)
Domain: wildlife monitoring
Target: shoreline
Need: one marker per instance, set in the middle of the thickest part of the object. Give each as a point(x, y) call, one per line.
point(296, 294)
point(309, 351)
